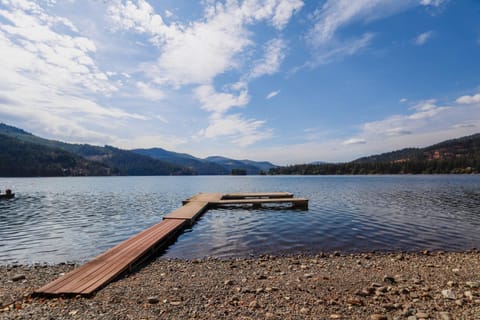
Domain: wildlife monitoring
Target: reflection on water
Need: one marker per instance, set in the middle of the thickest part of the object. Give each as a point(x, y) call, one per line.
point(73, 219)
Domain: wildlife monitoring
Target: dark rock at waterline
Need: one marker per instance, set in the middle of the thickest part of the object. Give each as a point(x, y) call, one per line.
point(18, 277)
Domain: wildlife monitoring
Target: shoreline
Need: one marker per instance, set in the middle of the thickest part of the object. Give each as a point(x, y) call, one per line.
point(381, 285)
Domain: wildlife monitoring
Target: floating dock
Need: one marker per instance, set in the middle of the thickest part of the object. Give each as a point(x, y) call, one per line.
point(103, 269)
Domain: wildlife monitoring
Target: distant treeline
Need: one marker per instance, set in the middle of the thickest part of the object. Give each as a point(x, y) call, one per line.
point(457, 166)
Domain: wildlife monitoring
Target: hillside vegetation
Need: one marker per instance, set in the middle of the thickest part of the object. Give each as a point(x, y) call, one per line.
point(25, 159)
point(460, 155)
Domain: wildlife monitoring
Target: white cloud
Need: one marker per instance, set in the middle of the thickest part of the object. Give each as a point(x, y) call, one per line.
point(426, 109)
point(149, 92)
point(272, 94)
point(241, 131)
point(50, 77)
point(422, 38)
point(169, 14)
point(469, 99)
point(216, 40)
point(336, 14)
point(138, 16)
point(277, 13)
point(403, 100)
point(220, 102)
point(354, 141)
point(425, 112)
point(339, 50)
point(325, 37)
point(434, 3)
point(270, 63)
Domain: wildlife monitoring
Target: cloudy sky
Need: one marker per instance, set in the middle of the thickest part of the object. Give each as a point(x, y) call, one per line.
point(288, 81)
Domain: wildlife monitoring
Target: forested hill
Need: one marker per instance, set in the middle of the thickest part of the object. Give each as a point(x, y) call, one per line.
point(460, 155)
point(55, 158)
point(25, 159)
point(23, 154)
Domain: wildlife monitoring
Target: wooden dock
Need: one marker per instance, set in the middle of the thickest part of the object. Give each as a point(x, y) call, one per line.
point(103, 269)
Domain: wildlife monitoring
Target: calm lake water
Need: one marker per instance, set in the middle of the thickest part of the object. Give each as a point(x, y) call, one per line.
point(55, 220)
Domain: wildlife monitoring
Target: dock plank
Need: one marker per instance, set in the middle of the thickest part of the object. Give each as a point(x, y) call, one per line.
point(189, 211)
point(260, 201)
point(254, 195)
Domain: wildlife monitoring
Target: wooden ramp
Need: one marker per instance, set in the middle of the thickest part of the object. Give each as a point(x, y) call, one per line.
point(97, 273)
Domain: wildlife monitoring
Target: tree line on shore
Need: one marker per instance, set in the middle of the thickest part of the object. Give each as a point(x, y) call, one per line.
point(457, 166)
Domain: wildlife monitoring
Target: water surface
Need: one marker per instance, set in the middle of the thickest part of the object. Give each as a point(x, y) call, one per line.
point(73, 219)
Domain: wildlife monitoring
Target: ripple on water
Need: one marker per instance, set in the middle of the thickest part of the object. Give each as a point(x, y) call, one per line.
point(74, 219)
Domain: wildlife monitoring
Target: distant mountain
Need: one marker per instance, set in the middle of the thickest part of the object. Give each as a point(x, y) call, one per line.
point(119, 161)
point(196, 165)
point(251, 167)
point(460, 155)
point(85, 159)
point(318, 162)
point(209, 166)
point(26, 159)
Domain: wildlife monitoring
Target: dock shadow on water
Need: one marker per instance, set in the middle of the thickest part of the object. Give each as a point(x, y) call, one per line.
point(75, 219)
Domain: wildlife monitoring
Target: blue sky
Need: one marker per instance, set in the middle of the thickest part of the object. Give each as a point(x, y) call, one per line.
point(288, 81)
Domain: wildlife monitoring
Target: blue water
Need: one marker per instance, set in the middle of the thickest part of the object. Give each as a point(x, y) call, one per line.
point(55, 220)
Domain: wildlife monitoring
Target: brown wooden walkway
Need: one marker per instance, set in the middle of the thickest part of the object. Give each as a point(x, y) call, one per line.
point(97, 273)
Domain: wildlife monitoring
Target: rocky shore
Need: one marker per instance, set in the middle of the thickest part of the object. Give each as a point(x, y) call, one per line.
point(334, 286)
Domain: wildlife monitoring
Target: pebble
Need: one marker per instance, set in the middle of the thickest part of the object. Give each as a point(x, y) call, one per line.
point(153, 300)
point(363, 293)
point(422, 315)
point(473, 284)
point(445, 316)
point(448, 294)
point(304, 310)
point(468, 295)
point(354, 301)
point(404, 291)
point(18, 277)
point(389, 307)
point(254, 304)
point(459, 302)
point(389, 279)
point(324, 295)
point(451, 283)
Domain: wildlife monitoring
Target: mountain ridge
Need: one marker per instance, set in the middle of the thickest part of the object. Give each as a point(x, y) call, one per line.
point(153, 161)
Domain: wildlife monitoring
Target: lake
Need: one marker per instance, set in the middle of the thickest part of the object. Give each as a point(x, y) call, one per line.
point(54, 220)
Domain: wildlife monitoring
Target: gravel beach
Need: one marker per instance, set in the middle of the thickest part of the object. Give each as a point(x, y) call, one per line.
point(323, 286)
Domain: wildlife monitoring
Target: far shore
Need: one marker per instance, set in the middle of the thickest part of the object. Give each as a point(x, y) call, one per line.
point(438, 285)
